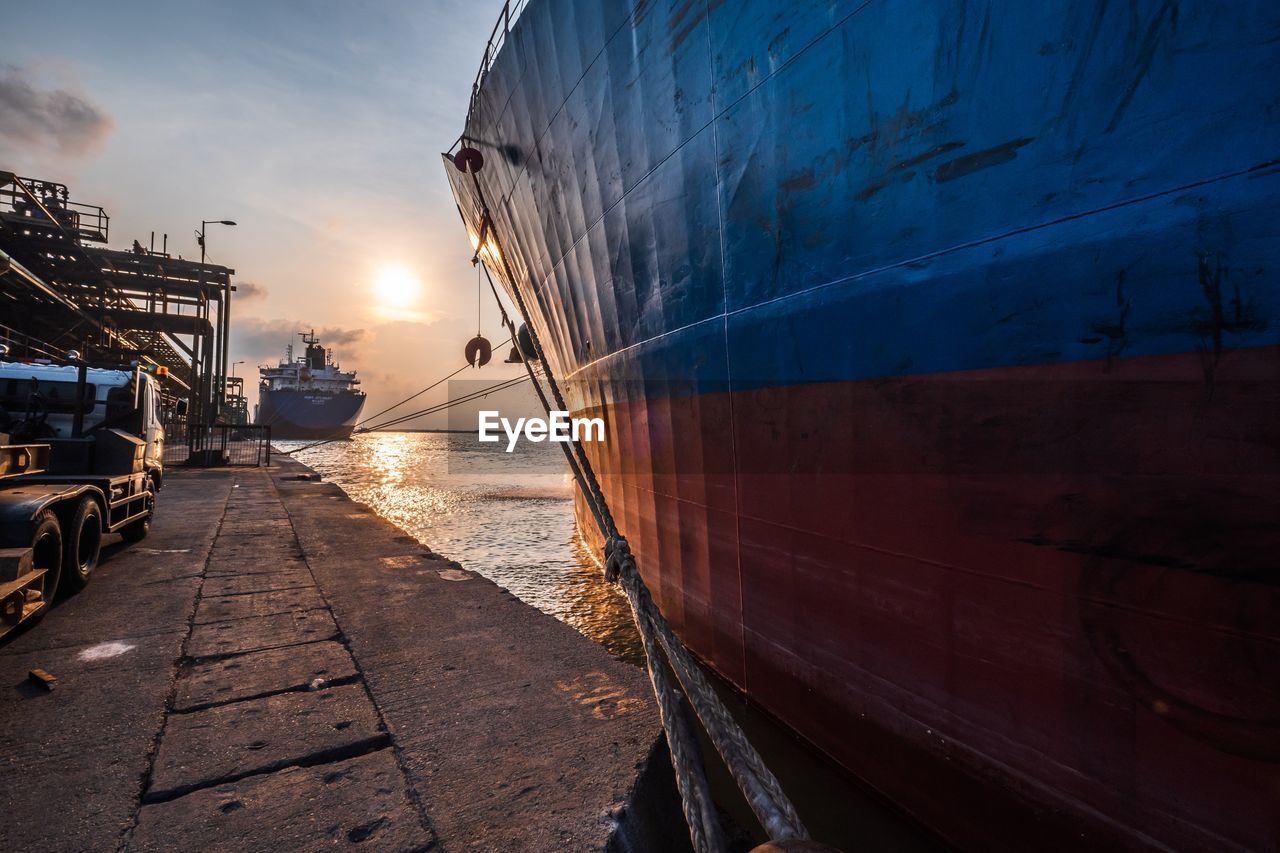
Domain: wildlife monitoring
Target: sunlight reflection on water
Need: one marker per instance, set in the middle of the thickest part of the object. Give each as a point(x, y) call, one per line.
point(507, 516)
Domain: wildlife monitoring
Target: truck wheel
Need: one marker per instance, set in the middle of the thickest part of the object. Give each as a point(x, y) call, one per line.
point(136, 531)
point(82, 546)
point(46, 548)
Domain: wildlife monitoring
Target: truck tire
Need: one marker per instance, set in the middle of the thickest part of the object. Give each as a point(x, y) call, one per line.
point(136, 531)
point(82, 545)
point(46, 546)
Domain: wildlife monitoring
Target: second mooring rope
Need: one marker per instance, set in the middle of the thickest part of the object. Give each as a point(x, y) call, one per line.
point(759, 786)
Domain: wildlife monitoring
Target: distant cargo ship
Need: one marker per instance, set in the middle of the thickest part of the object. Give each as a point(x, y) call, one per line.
point(938, 349)
point(309, 397)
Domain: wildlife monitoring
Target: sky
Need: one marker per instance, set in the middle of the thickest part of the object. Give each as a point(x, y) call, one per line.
point(317, 126)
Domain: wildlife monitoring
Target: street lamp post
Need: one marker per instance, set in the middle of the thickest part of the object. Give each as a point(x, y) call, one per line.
point(224, 316)
point(242, 403)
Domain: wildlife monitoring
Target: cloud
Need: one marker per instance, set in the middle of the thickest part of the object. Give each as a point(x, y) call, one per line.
point(247, 291)
point(36, 115)
point(340, 337)
point(265, 340)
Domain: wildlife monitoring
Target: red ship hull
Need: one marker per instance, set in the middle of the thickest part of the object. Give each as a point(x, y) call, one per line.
point(1056, 650)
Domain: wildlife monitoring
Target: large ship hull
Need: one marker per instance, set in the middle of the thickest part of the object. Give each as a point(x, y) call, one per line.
point(309, 414)
point(938, 347)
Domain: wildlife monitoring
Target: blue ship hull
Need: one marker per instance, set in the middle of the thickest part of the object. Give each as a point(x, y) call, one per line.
point(938, 347)
point(309, 414)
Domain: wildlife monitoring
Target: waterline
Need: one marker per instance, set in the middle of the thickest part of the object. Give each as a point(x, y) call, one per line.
point(508, 517)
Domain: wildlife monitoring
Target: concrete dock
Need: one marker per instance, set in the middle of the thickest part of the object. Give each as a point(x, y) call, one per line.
point(276, 668)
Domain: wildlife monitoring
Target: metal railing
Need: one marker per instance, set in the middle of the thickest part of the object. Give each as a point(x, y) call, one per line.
point(48, 203)
point(21, 345)
point(217, 445)
point(501, 29)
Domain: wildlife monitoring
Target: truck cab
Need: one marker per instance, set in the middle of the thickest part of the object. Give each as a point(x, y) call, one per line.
point(38, 402)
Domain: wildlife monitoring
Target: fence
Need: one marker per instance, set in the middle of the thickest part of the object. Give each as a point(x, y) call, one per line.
point(216, 445)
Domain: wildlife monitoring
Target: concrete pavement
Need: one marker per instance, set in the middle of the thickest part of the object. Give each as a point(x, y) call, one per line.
point(275, 667)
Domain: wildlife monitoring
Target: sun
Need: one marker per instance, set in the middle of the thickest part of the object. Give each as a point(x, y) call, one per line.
point(396, 286)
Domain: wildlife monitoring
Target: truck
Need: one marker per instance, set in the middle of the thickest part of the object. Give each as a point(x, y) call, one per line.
point(81, 456)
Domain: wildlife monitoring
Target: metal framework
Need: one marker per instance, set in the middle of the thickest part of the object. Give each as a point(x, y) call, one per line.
point(62, 289)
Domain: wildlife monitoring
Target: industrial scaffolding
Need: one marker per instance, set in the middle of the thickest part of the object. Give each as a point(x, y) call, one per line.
point(62, 291)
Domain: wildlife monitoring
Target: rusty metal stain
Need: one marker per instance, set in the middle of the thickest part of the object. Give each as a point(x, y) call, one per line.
point(979, 160)
point(685, 31)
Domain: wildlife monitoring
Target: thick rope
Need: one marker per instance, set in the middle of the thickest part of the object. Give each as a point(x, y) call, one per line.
point(758, 784)
point(695, 795)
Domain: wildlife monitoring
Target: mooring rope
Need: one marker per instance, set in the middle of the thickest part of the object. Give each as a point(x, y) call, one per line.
point(695, 794)
point(413, 396)
point(421, 413)
point(758, 784)
point(691, 782)
point(447, 404)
